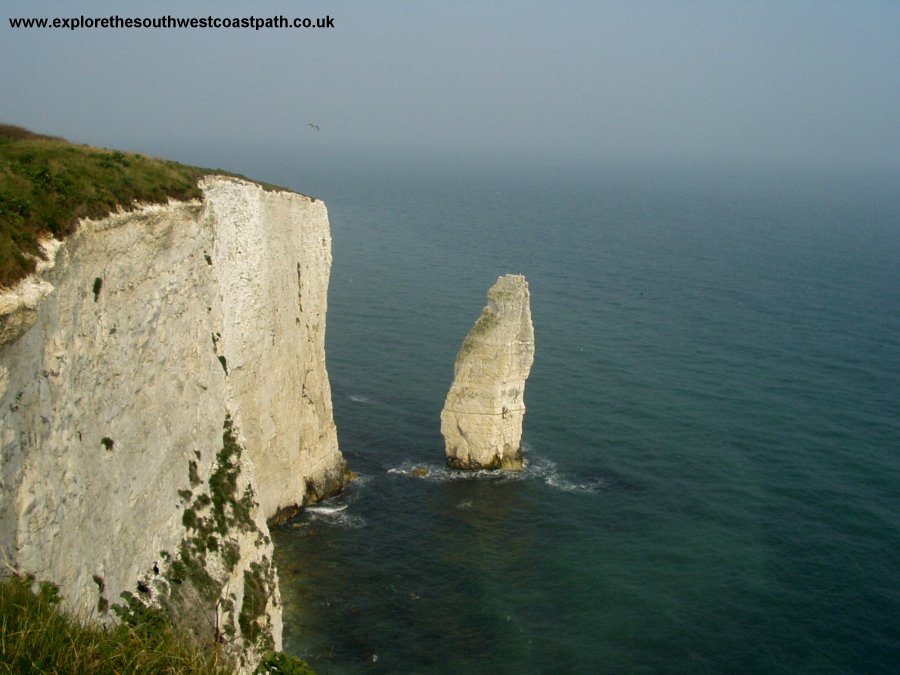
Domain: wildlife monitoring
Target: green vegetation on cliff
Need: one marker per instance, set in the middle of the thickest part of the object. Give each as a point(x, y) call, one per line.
point(47, 184)
point(37, 637)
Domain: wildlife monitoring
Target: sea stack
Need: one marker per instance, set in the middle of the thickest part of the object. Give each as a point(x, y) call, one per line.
point(482, 417)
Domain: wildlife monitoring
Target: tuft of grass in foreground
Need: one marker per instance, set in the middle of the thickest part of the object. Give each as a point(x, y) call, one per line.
point(47, 184)
point(36, 637)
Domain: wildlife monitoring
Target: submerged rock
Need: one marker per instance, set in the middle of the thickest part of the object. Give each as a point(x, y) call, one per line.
point(482, 417)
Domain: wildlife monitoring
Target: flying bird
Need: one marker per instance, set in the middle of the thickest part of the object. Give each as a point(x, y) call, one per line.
point(314, 126)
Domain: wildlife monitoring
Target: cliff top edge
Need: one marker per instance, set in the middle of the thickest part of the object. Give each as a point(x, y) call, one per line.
point(48, 184)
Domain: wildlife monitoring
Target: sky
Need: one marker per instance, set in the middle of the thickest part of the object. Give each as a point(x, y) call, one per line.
point(781, 82)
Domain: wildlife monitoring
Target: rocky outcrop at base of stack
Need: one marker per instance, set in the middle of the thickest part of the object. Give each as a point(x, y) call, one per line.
point(482, 416)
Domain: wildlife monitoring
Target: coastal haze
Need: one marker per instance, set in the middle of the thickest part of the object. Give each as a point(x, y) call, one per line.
point(785, 83)
point(713, 479)
point(704, 198)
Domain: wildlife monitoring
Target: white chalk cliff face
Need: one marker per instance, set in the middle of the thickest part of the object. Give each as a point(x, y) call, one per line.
point(482, 416)
point(163, 394)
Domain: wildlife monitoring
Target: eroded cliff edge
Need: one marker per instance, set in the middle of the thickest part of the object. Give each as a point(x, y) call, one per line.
point(163, 394)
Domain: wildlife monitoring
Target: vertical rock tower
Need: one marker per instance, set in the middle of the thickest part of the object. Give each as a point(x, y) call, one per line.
point(482, 417)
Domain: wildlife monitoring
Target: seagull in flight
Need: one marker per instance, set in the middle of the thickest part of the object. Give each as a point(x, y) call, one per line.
point(314, 126)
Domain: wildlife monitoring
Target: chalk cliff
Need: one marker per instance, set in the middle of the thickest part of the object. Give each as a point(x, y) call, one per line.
point(483, 413)
point(163, 394)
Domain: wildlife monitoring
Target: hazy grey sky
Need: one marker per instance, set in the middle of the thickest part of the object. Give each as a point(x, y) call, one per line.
point(782, 81)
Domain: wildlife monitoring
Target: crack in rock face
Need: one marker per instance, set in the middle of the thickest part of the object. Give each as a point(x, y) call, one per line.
point(482, 417)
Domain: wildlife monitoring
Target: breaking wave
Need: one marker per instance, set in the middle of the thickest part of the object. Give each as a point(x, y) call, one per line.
point(536, 469)
point(326, 510)
point(439, 473)
point(334, 515)
point(547, 471)
point(337, 510)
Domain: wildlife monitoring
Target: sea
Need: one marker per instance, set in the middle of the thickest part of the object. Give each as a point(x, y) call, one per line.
point(712, 432)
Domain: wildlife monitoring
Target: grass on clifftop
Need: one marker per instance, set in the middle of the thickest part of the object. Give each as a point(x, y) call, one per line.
point(36, 637)
point(47, 184)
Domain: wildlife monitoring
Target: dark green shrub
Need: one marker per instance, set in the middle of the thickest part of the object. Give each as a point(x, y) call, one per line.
point(283, 664)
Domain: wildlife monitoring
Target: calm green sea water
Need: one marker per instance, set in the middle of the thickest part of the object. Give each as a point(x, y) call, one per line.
point(713, 427)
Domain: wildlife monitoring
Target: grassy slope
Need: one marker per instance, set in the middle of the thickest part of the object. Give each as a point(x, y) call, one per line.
point(36, 637)
point(47, 184)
